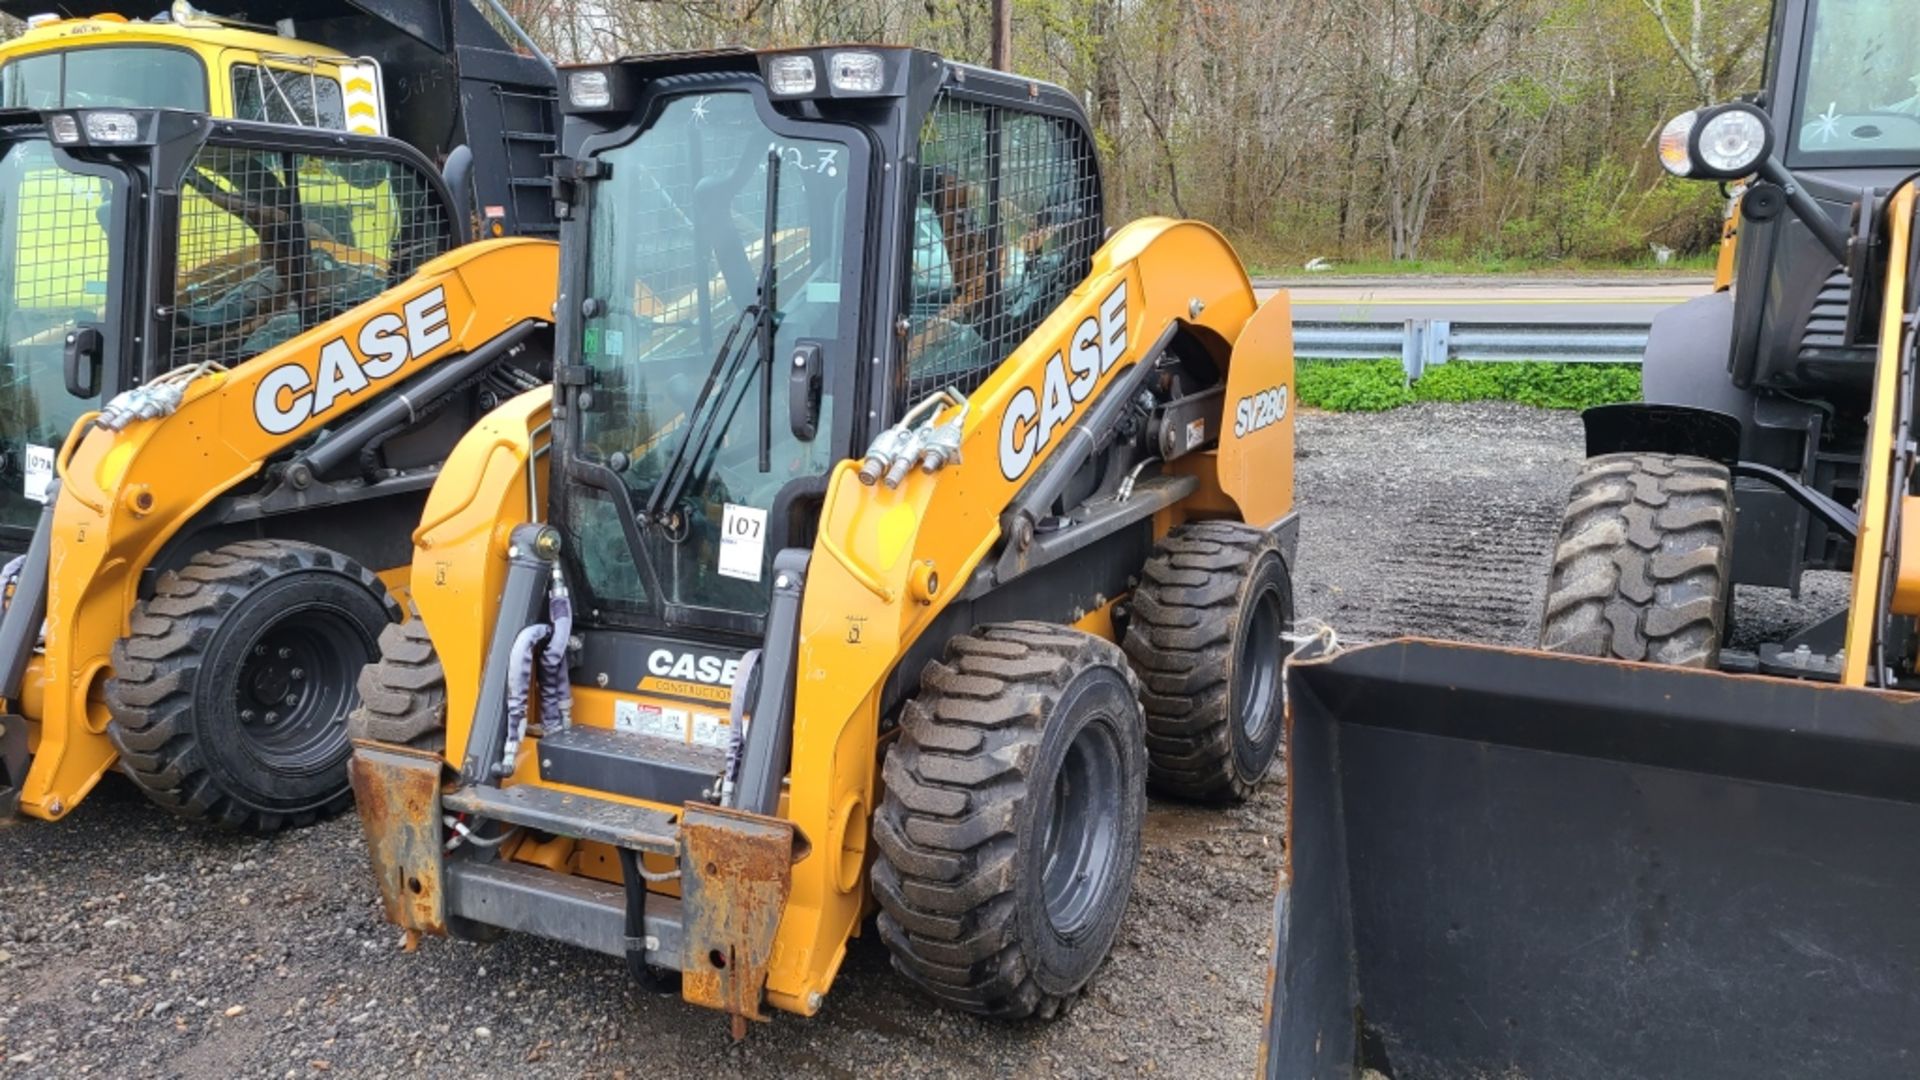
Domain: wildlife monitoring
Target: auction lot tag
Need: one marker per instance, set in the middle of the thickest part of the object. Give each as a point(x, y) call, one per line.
point(39, 470)
point(743, 540)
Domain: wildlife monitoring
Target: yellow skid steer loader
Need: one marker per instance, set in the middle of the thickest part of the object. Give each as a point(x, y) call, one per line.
point(221, 541)
point(1645, 851)
point(890, 529)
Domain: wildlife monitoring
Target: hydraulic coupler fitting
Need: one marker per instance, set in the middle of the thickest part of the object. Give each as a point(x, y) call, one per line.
point(887, 446)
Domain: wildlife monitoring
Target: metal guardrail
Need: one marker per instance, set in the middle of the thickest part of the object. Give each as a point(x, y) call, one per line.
point(1425, 343)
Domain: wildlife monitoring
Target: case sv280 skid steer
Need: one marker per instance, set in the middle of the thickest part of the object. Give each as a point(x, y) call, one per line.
point(1652, 855)
point(172, 260)
point(898, 529)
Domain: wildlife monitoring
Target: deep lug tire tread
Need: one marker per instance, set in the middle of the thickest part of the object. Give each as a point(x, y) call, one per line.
point(150, 694)
point(1643, 561)
point(403, 695)
point(948, 827)
point(1181, 640)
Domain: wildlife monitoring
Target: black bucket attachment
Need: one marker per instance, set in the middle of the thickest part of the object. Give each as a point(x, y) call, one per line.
point(1506, 864)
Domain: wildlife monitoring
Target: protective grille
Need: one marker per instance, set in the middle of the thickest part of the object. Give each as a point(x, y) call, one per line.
point(272, 243)
point(58, 257)
point(1006, 224)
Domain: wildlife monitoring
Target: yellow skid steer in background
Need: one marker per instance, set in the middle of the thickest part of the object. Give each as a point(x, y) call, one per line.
point(221, 544)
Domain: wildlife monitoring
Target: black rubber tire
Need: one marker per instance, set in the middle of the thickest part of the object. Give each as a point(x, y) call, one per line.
point(1642, 568)
point(403, 694)
point(972, 908)
point(402, 700)
point(199, 642)
point(1205, 635)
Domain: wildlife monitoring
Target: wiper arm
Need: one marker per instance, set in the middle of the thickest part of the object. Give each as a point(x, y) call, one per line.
point(699, 418)
point(763, 328)
point(706, 411)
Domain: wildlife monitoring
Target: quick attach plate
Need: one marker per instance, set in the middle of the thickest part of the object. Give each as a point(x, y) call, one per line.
point(398, 793)
point(736, 869)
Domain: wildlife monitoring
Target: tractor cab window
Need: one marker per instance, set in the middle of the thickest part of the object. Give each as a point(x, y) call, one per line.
point(681, 306)
point(124, 76)
point(273, 243)
point(56, 272)
point(1005, 225)
point(280, 95)
point(1861, 81)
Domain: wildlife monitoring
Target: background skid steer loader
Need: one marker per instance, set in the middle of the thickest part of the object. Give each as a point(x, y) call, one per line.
point(221, 545)
point(705, 682)
point(470, 98)
point(1505, 863)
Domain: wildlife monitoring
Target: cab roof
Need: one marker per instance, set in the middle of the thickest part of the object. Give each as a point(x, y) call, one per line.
point(93, 32)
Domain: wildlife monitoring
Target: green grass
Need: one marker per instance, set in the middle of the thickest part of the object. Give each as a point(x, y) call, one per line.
point(1490, 266)
point(1377, 385)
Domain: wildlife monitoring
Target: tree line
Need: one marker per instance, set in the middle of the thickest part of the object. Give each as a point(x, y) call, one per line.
point(1459, 130)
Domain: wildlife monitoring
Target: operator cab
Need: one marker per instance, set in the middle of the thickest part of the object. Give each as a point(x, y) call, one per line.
point(732, 220)
point(1844, 94)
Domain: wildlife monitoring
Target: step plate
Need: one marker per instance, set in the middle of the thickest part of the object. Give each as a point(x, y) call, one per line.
point(564, 814)
point(637, 766)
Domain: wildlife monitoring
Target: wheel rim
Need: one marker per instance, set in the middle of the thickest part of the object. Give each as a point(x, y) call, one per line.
point(1082, 834)
point(1256, 664)
point(294, 684)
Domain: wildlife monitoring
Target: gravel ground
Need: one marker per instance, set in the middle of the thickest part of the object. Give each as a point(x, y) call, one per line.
point(132, 945)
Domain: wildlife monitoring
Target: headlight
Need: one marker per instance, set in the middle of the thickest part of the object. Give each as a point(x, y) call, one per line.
point(589, 89)
point(1676, 154)
point(789, 75)
point(112, 127)
point(1733, 141)
point(64, 128)
point(856, 72)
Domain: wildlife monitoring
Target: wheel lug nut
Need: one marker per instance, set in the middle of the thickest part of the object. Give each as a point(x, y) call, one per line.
point(292, 700)
point(297, 673)
point(272, 716)
point(286, 653)
point(246, 716)
point(259, 650)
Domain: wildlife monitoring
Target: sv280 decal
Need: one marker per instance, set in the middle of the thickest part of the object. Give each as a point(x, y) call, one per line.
point(1261, 410)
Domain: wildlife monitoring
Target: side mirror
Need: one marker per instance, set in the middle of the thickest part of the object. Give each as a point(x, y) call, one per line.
point(81, 361)
point(804, 375)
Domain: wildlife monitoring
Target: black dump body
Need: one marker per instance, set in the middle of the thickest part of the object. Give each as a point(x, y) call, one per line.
point(1504, 864)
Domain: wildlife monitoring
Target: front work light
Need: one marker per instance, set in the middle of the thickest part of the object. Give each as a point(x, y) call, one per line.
point(112, 127)
point(589, 89)
point(64, 128)
point(856, 72)
point(1725, 142)
point(790, 75)
point(1733, 141)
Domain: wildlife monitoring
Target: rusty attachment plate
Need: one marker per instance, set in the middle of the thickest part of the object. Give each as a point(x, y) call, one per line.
point(736, 869)
point(397, 791)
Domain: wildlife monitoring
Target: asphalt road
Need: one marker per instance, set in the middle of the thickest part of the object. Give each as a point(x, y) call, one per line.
point(1623, 301)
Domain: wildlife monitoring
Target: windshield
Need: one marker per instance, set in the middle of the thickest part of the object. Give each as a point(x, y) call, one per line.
point(1861, 81)
point(126, 76)
point(54, 274)
point(676, 260)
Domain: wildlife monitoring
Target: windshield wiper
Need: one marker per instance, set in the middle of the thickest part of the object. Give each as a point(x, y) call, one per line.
point(707, 410)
